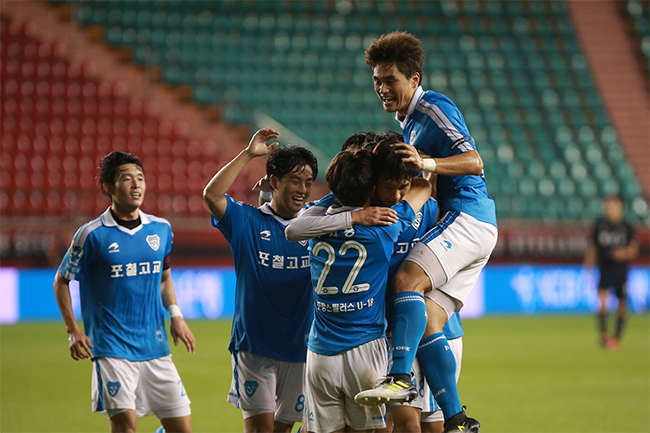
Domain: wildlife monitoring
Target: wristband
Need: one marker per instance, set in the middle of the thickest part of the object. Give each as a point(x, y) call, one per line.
point(430, 165)
point(266, 195)
point(174, 311)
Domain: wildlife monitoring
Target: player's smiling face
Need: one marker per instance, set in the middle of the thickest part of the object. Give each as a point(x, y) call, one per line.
point(394, 88)
point(291, 192)
point(128, 192)
point(390, 192)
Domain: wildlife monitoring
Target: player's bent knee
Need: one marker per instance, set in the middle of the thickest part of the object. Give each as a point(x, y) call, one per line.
point(410, 277)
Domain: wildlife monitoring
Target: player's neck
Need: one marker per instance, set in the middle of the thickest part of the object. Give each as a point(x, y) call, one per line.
point(125, 214)
point(282, 213)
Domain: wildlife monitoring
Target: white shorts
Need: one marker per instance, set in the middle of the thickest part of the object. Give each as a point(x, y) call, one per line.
point(149, 387)
point(333, 381)
point(462, 245)
point(425, 401)
point(264, 385)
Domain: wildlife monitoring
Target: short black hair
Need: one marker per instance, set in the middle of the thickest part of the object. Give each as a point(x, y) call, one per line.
point(351, 178)
point(388, 165)
point(400, 49)
point(360, 140)
point(285, 160)
point(110, 164)
point(393, 136)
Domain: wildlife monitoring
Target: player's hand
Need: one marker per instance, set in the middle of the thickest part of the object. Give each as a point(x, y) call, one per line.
point(374, 216)
point(180, 330)
point(619, 254)
point(264, 185)
point(409, 154)
point(79, 345)
point(257, 145)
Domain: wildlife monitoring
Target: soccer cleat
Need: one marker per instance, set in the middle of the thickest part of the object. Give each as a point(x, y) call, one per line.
point(461, 423)
point(387, 389)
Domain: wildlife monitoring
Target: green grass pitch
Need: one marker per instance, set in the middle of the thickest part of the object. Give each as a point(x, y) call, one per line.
point(520, 374)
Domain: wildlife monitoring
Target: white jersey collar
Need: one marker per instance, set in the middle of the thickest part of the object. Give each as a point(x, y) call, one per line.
point(109, 221)
point(414, 101)
point(266, 209)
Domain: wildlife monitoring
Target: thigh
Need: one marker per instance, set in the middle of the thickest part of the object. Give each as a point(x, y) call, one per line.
point(114, 384)
point(256, 381)
point(363, 366)
point(161, 390)
point(290, 396)
point(325, 401)
point(459, 240)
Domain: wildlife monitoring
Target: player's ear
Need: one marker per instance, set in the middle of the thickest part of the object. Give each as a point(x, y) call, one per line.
point(273, 180)
point(106, 187)
point(415, 80)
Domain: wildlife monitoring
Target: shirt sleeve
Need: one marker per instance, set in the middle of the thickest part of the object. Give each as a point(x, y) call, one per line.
point(75, 258)
point(444, 132)
point(235, 218)
point(313, 223)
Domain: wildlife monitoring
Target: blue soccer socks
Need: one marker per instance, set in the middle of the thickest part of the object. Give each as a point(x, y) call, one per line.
point(439, 368)
point(409, 324)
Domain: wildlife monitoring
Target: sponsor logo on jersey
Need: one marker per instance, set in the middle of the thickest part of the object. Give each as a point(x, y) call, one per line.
point(76, 252)
point(303, 242)
point(349, 233)
point(114, 248)
point(413, 136)
point(159, 336)
point(265, 235)
point(406, 348)
point(417, 221)
point(250, 386)
point(465, 139)
point(446, 245)
point(113, 388)
point(153, 241)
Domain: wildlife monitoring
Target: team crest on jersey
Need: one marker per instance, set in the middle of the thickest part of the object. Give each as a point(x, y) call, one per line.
point(75, 254)
point(250, 386)
point(413, 136)
point(114, 248)
point(265, 235)
point(153, 241)
point(113, 388)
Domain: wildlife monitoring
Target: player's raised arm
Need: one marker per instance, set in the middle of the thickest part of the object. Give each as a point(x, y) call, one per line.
point(78, 342)
point(178, 327)
point(214, 193)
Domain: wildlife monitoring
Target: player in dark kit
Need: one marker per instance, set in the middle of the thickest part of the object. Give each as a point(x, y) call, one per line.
point(613, 246)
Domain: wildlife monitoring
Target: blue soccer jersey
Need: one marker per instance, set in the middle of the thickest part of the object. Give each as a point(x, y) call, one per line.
point(119, 273)
point(424, 221)
point(273, 300)
point(349, 272)
point(435, 126)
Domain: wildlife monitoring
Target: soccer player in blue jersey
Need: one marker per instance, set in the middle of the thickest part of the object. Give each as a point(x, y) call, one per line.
point(273, 301)
point(446, 263)
point(121, 261)
point(347, 348)
point(394, 178)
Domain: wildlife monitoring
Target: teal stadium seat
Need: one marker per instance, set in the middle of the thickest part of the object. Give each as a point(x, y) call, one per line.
point(514, 68)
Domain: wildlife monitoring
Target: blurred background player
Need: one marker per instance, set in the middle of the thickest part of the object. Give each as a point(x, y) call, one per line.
point(273, 301)
point(446, 263)
point(613, 246)
point(122, 263)
point(347, 350)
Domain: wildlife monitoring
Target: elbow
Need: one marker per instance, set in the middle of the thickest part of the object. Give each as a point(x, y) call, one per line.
point(477, 166)
point(291, 235)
